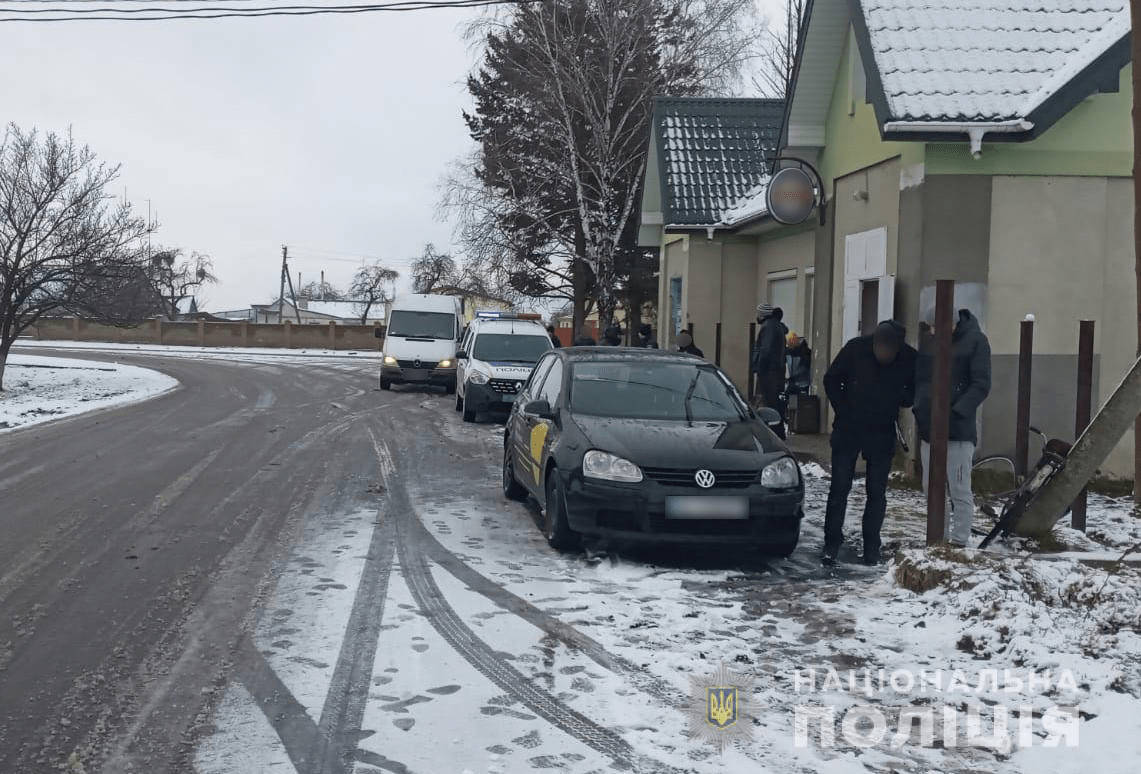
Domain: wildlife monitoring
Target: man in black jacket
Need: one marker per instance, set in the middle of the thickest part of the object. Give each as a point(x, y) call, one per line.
point(768, 358)
point(970, 385)
point(867, 384)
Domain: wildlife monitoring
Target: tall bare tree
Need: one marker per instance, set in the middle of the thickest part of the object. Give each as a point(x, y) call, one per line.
point(66, 245)
point(370, 287)
point(562, 117)
point(777, 60)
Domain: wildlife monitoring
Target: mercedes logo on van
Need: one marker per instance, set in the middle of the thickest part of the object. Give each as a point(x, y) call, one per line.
point(416, 363)
point(704, 478)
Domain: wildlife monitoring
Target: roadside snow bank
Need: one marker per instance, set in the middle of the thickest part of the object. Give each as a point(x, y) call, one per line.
point(40, 389)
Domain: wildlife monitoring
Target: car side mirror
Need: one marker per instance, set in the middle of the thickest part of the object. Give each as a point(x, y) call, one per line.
point(540, 408)
point(461, 355)
point(378, 333)
point(769, 416)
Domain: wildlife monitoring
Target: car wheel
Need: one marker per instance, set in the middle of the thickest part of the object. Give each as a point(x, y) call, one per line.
point(385, 384)
point(459, 402)
point(512, 489)
point(555, 526)
point(469, 414)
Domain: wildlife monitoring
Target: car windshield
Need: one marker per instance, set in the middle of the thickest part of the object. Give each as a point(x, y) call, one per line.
point(649, 390)
point(510, 348)
point(422, 325)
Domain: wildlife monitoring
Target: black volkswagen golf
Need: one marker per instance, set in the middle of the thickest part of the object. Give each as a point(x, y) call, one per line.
point(643, 445)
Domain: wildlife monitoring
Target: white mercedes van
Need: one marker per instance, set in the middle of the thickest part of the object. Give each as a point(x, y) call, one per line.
point(420, 341)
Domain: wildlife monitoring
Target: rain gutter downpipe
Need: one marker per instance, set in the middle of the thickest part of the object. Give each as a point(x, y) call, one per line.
point(975, 130)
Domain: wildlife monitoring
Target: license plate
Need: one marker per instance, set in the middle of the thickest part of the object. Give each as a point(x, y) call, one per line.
point(707, 507)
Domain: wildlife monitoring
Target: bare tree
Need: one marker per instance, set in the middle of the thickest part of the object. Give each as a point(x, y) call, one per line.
point(176, 276)
point(65, 244)
point(433, 270)
point(778, 53)
point(370, 287)
point(563, 117)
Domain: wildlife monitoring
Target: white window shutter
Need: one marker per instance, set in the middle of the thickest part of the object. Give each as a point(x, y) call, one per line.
point(851, 310)
point(886, 297)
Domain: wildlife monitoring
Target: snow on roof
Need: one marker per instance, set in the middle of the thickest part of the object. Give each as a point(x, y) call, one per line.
point(347, 310)
point(985, 60)
point(712, 152)
point(752, 205)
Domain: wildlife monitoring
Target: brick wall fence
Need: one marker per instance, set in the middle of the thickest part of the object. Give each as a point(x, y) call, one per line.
point(200, 333)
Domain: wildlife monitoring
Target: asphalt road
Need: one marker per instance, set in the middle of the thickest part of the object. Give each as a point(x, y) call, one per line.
point(137, 542)
point(274, 530)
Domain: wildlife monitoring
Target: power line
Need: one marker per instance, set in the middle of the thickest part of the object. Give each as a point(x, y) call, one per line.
point(21, 13)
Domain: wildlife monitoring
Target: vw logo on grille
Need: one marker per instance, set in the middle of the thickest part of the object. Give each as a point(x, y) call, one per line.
point(705, 478)
point(416, 363)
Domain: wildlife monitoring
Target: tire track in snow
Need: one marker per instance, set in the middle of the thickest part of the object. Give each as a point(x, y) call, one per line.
point(484, 659)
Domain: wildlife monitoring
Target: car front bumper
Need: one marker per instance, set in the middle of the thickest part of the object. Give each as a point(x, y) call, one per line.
point(636, 513)
point(482, 397)
point(439, 376)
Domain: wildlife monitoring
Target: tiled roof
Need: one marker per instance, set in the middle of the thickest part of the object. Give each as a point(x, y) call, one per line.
point(985, 60)
point(712, 153)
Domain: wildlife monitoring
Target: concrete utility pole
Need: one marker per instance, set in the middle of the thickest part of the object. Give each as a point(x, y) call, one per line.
point(281, 289)
point(1135, 13)
point(1090, 451)
point(288, 276)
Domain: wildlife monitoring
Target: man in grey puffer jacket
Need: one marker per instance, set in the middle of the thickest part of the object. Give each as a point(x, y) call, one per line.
point(970, 385)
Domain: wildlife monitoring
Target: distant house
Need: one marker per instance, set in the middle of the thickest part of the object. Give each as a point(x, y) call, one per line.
point(316, 312)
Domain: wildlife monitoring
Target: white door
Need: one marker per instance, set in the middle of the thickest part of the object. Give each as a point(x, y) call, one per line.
point(851, 310)
point(886, 297)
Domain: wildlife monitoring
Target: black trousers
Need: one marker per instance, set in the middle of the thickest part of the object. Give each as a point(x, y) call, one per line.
point(877, 450)
point(771, 385)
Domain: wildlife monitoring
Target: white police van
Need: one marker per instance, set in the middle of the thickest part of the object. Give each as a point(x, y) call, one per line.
point(495, 358)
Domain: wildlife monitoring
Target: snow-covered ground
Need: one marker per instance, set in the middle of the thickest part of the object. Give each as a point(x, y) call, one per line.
point(495, 654)
point(40, 389)
point(247, 354)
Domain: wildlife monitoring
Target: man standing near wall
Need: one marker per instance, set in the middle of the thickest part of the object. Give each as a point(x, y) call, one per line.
point(768, 360)
point(970, 385)
point(867, 384)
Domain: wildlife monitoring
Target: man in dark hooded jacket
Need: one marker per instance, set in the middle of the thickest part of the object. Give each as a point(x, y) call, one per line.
point(867, 384)
point(970, 385)
point(768, 359)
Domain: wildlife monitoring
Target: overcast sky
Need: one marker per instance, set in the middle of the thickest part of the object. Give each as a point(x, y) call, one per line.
point(327, 134)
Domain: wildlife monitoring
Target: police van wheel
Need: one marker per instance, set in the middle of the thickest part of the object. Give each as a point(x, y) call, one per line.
point(459, 402)
point(469, 414)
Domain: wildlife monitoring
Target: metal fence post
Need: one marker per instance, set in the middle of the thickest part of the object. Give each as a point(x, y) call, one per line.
point(1025, 372)
point(1084, 408)
point(940, 413)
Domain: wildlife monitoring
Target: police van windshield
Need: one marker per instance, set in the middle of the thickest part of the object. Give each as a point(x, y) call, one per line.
point(508, 348)
point(422, 325)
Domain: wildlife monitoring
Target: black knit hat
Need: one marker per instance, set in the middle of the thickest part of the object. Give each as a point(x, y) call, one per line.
point(891, 332)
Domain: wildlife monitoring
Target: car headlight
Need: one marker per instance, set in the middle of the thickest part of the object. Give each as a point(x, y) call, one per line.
point(478, 377)
point(599, 464)
point(389, 360)
point(444, 364)
point(782, 474)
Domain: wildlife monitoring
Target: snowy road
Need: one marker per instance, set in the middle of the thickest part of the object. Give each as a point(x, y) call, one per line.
point(280, 569)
